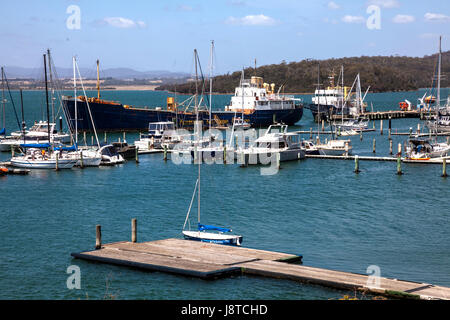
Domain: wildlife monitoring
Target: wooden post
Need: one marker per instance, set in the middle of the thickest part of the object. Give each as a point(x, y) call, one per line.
point(124, 137)
point(137, 155)
point(410, 132)
point(418, 128)
point(381, 127)
point(84, 138)
point(374, 145)
point(357, 164)
point(106, 138)
point(390, 146)
point(12, 151)
point(444, 168)
point(165, 152)
point(98, 237)
point(399, 149)
point(360, 135)
point(399, 166)
point(323, 125)
point(346, 148)
point(134, 230)
point(310, 133)
point(57, 162)
point(225, 154)
point(92, 140)
point(81, 160)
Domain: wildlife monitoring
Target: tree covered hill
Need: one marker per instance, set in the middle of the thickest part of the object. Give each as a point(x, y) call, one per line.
point(382, 73)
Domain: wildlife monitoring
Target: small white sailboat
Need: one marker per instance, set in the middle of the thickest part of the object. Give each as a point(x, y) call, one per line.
point(204, 233)
point(424, 149)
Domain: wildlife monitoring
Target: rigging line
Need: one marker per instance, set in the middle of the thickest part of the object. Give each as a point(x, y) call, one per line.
point(190, 205)
point(87, 103)
point(12, 101)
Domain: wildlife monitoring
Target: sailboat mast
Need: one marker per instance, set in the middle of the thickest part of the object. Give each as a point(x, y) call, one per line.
point(210, 81)
point(23, 116)
point(438, 103)
point(51, 82)
point(46, 98)
point(3, 99)
point(75, 99)
point(98, 79)
point(196, 127)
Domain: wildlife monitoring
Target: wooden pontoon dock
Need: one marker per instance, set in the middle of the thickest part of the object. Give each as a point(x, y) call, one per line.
point(210, 261)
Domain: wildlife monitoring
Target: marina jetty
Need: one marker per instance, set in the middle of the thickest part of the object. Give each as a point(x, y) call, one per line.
point(212, 261)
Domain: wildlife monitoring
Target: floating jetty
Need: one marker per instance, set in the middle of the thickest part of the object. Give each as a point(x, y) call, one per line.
point(211, 261)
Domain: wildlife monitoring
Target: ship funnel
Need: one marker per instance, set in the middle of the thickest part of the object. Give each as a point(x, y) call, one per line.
point(272, 86)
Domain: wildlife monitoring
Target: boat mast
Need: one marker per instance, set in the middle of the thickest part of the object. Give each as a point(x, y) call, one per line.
point(198, 132)
point(46, 98)
point(51, 82)
point(75, 100)
point(3, 98)
point(98, 79)
point(23, 119)
point(438, 103)
point(211, 66)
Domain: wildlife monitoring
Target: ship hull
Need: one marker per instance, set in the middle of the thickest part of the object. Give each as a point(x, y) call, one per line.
point(117, 117)
point(322, 112)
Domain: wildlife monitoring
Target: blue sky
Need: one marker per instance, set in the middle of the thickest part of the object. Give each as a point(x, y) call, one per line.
point(161, 35)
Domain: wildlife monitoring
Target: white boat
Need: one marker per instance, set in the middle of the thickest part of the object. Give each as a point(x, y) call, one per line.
point(239, 123)
point(159, 134)
point(335, 147)
point(204, 232)
point(309, 147)
point(39, 132)
point(39, 158)
point(110, 156)
point(424, 149)
point(276, 141)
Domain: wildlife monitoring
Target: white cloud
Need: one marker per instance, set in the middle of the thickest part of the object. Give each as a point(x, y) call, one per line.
point(436, 17)
point(353, 19)
point(403, 18)
point(124, 23)
point(333, 5)
point(388, 4)
point(252, 20)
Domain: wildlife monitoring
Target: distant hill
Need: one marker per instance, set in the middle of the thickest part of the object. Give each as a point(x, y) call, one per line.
point(116, 73)
point(382, 73)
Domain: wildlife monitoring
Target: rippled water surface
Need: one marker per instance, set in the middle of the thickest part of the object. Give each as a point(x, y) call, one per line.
point(318, 208)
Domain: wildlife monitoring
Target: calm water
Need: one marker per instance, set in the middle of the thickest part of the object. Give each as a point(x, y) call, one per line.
point(318, 208)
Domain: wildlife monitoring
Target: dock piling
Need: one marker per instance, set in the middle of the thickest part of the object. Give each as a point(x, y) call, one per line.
point(399, 166)
point(57, 162)
point(165, 153)
point(134, 230)
point(98, 237)
point(357, 164)
point(444, 168)
point(399, 150)
point(374, 145)
point(381, 127)
point(137, 155)
point(390, 146)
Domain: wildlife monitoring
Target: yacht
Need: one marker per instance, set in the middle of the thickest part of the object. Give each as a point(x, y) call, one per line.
point(41, 157)
point(335, 147)
point(159, 134)
point(425, 149)
point(276, 140)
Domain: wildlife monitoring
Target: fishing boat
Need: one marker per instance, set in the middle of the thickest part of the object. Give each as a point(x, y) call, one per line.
point(206, 233)
point(275, 141)
point(425, 149)
point(337, 99)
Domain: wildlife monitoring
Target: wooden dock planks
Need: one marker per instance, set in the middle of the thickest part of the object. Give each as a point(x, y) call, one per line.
point(210, 261)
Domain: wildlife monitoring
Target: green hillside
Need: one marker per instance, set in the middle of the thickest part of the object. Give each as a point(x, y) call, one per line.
point(392, 73)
